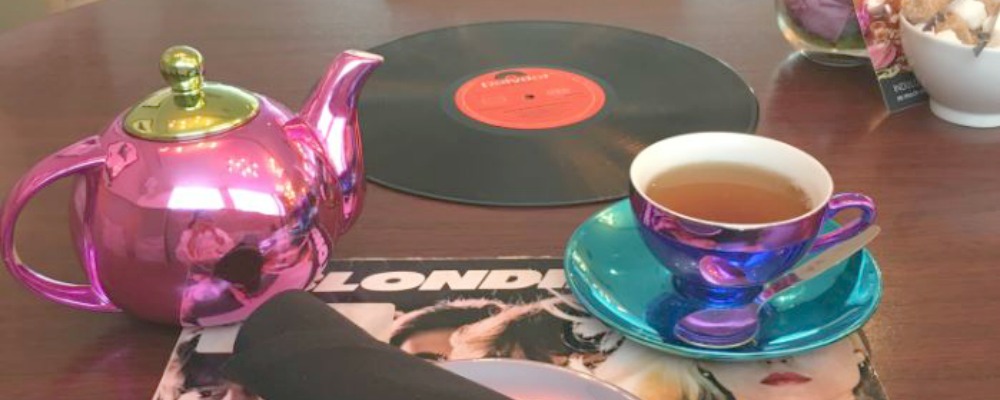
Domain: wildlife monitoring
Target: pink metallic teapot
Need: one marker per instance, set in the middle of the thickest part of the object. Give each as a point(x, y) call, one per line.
point(204, 200)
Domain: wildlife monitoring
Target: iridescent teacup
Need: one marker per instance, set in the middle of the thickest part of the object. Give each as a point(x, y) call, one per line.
point(728, 263)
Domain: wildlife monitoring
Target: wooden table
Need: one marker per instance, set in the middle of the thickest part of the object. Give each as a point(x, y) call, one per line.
point(935, 336)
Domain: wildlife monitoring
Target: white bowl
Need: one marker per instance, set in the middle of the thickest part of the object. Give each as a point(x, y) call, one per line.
point(529, 380)
point(964, 89)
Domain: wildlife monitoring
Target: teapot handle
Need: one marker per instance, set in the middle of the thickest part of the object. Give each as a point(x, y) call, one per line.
point(76, 158)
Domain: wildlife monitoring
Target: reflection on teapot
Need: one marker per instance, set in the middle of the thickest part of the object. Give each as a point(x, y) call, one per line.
point(203, 200)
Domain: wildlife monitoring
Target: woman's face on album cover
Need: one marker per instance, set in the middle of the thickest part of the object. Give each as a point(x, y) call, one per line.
point(830, 373)
point(434, 344)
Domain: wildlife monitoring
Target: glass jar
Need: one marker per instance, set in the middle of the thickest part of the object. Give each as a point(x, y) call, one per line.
point(825, 31)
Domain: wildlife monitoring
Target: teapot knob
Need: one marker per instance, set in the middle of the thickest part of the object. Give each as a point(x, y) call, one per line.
point(183, 69)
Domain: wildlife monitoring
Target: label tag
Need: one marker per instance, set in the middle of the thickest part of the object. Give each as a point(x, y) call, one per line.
point(529, 98)
point(879, 22)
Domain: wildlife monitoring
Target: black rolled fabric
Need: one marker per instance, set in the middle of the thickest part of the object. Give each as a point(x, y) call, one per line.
point(295, 347)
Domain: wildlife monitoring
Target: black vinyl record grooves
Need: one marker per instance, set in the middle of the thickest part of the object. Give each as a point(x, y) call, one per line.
point(536, 113)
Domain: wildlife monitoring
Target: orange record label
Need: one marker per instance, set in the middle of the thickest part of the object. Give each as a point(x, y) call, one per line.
point(529, 98)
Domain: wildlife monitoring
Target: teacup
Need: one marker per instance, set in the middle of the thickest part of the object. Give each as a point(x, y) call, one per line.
point(727, 263)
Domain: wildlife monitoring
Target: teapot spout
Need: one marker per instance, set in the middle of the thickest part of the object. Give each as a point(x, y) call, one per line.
point(331, 111)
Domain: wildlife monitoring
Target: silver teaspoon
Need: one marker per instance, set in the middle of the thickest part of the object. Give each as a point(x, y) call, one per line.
point(724, 328)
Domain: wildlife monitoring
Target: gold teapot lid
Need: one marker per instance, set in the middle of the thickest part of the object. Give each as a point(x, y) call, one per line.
point(190, 108)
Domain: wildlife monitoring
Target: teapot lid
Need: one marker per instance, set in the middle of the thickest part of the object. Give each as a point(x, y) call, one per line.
point(190, 108)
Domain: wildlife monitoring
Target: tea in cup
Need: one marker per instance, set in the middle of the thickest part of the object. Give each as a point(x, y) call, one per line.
point(727, 213)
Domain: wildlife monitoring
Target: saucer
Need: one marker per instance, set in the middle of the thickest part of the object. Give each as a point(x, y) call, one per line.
point(618, 280)
point(531, 380)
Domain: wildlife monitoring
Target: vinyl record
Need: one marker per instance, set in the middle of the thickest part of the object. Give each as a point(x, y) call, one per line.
point(536, 113)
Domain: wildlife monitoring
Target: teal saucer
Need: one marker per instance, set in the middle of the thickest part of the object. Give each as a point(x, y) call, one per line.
point(617, 279)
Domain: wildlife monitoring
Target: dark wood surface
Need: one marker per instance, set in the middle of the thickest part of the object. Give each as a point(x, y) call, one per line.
point(935, 336)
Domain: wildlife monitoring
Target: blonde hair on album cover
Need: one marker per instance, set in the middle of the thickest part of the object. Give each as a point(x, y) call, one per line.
point(652, 375)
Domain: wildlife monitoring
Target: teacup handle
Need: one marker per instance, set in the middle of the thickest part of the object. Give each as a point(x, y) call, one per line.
point(840, 202)
point(76, 158)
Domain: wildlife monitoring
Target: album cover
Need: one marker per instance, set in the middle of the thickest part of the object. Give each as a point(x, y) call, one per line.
point(451, 309)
